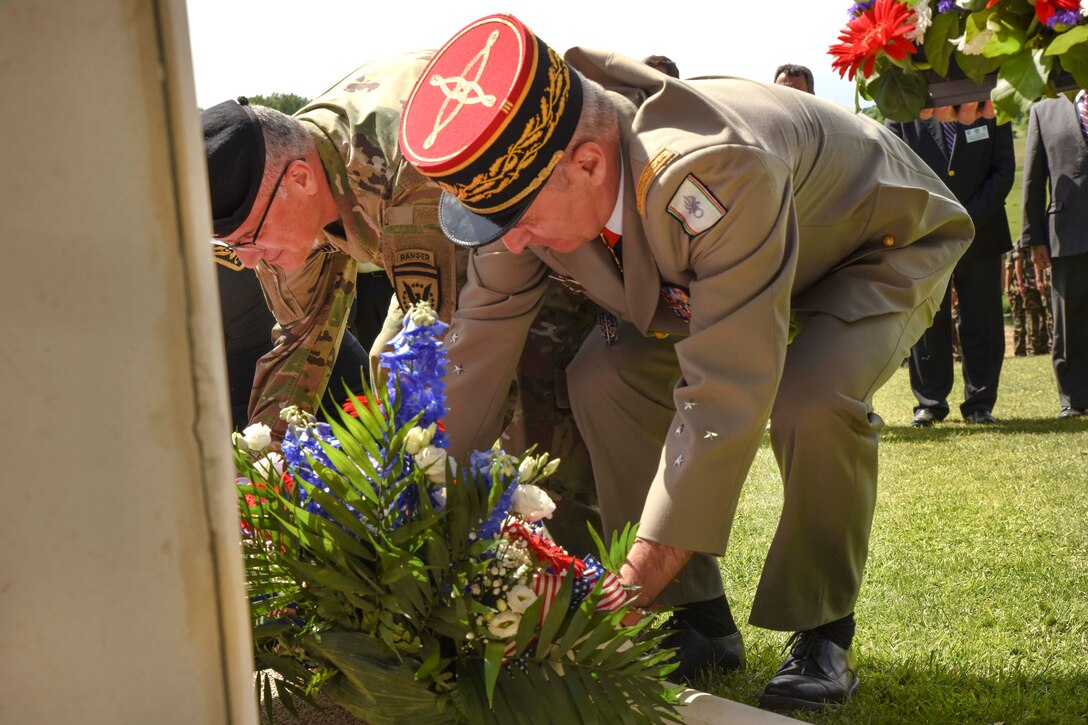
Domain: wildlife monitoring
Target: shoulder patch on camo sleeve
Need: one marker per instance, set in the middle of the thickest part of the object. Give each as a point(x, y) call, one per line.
point(228, 259)
point(650, 171)
point(695, 207)
point(416, 278)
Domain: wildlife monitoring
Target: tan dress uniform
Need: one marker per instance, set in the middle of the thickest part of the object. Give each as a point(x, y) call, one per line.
point(779, 214)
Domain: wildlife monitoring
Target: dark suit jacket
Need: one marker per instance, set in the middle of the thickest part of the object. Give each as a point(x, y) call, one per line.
point(979, 174)
point(1056, 160)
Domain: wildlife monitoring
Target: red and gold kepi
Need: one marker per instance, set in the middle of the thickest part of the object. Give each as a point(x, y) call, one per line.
point(488, 120)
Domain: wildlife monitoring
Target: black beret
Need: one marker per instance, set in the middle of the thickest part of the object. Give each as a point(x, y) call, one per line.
point(234, 144)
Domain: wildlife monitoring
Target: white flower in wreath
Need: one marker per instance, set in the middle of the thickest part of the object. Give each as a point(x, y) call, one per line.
point(921, 20)
point(271, 466)
point(975, 46)
point(432, 460)
point(1084, 8)
point(257, 436)
point(519, 598)
point(419, 438)
point(532, 503)
point(504, 624)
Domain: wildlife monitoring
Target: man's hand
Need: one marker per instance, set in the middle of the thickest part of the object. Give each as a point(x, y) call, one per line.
point(1040, 257)
point(651, 566)
point(965, 113)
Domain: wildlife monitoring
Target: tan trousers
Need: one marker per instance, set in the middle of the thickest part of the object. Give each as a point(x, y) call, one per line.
point(824, 433)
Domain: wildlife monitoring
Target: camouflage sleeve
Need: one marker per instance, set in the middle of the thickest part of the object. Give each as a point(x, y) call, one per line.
point(311, 307)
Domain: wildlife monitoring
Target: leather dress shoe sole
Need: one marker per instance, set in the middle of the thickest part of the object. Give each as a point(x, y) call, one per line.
point(699, 655)
point(1071, 413)
point(924, 418)
point(817, 674)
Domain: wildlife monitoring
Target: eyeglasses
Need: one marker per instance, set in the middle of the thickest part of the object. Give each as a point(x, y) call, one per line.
point(260, 225)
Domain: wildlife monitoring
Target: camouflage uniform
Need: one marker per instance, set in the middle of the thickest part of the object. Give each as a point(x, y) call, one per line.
point(388, 217)
point(1031, 329)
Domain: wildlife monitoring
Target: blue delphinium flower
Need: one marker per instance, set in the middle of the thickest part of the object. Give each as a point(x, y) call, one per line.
point(946, 6)
point(858, 8)
point(1063, 17)
point(417, 364)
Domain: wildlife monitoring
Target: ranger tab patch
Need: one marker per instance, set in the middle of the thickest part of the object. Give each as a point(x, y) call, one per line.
point(695, 207)
point(416, 278)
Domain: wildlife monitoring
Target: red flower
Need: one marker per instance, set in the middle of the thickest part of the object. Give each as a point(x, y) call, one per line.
point(1045, 8)
point(880, 28)
point(546, 551)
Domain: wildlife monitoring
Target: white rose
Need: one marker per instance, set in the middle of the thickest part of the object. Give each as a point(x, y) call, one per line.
point(520, 597)
point(532, 503)
point(504, 624)
point(419, 438)
point(432, 460)
point(272, 461)
point(257, 436)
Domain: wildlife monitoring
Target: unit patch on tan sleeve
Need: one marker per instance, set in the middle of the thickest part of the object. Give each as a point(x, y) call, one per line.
point(416, 278)
point(228, 258)
point(695, 207)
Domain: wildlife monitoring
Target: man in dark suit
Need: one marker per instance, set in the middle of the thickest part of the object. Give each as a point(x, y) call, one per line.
point(976, 162)
point(1056, 161)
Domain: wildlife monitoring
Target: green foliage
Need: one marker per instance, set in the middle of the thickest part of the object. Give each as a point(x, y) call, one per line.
point(973, 606)
point(1005, 44)
point(379, 613)
point(288, 103)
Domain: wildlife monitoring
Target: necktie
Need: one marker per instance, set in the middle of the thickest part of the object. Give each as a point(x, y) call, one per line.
point(613, 241)
point(949, 128)
point(1082, 113)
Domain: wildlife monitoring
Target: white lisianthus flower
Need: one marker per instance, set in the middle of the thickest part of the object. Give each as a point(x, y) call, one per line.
point(921, 19)
point(432, 460)
point(419, 438)
point(257, 436)
point(271, 466)
point(1084, 8)
point(504, 624)
point(519, 598)
point(527, 469)
point(532, 503)
point(551, 468)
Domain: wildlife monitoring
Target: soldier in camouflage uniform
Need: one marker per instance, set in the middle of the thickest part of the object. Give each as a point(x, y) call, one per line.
point(344, 197)
point(1016, 304)
point(1029, 316)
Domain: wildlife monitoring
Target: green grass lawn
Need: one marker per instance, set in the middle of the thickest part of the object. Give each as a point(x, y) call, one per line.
point(975, 602)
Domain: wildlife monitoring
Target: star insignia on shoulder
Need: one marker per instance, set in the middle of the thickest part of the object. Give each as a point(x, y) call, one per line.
point(710, 434)
point(679, 429)
point(689, 405)
point(679, 461)
point(455, 336)
point(458, 369)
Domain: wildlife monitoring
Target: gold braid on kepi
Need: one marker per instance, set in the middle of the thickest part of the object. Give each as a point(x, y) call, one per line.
point(488, 120)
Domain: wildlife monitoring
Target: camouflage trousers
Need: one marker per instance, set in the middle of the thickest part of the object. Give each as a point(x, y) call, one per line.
point(1031, 334)
point(541, 413)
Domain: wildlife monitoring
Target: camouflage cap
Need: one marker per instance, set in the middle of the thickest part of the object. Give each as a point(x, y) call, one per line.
point(488, 120)
point(234, 144)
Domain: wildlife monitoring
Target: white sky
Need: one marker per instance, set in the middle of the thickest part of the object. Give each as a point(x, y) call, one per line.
point(250, 47)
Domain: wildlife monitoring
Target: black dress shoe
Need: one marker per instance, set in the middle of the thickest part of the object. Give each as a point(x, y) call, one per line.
point(983, 417)
point(1071, 413)
point(923, 418)
point(817, 673)
point(700, 655)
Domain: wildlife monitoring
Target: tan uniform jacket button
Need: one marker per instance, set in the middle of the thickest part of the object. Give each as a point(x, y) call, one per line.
point(889, 240)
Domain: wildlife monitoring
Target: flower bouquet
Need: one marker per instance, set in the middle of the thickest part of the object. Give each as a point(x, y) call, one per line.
point(408, 588)
point(917, 53)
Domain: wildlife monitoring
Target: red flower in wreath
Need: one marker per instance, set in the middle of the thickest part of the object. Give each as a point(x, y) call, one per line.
point(1044, 9)
point(546, 551)
point(879, 28)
